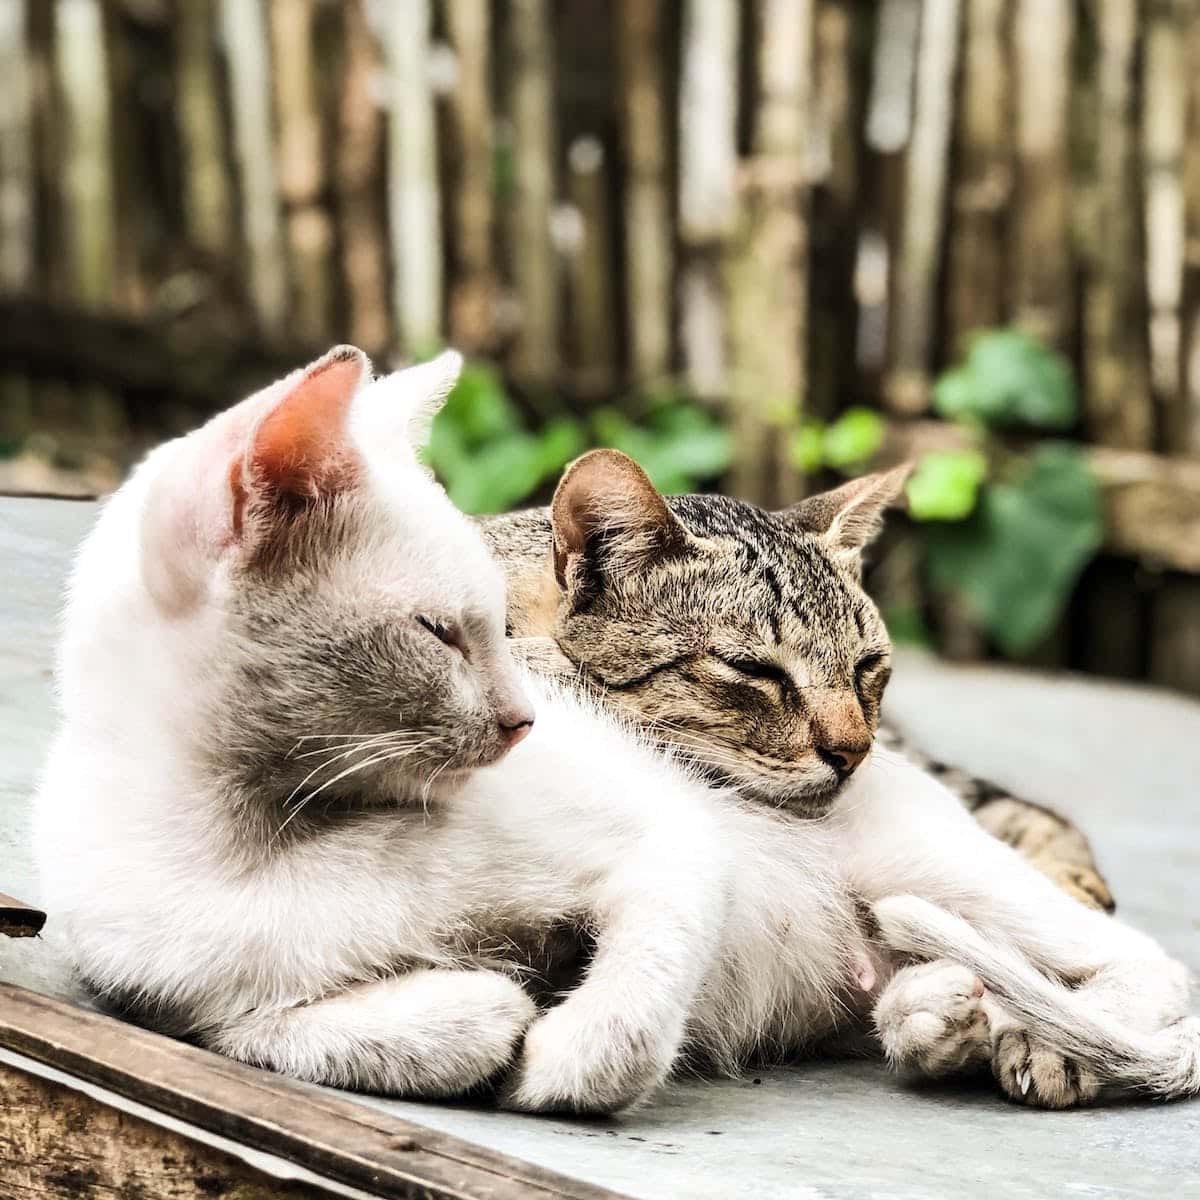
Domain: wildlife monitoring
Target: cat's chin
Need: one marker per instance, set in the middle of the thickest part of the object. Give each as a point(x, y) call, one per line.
point(804, 799)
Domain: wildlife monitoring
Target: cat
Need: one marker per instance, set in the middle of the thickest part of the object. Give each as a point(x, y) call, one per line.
point(270, 820)
point(300, 810)
point(763, 592)
point(744, 640)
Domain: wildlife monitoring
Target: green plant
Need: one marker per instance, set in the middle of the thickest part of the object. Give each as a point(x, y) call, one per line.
point(678, 444)
point(1016, 558)
point(847, 444)
point(1009, 379)
point(489, 459)
point(482, 451)
point(1008, 534)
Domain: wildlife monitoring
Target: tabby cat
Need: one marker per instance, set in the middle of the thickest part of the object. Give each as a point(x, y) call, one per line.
point(722, 654)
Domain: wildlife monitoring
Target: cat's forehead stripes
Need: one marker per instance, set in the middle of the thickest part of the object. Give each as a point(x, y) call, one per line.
point(777, 576)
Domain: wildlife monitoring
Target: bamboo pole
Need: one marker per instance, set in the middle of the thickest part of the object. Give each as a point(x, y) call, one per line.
point(915, 304)
point(1117, 392)
point(358, 158)
point(208, 208)
point(768, 266)
point(707, 174)
point(139, 223)
point(641, 51)
point(16, 201)
point(593, 314)
point(89, 205)
point(473, 289)
point(834, 169)
point(1164, 105)
point(983, 182)
point(1175, 640)
point(889, 107)
point(16, 151)
point(302, 170)
point(1040, 222)
point(979, 193)
point(414, 217)
point(1185, 432)
point(535, 356)
point(244, 35)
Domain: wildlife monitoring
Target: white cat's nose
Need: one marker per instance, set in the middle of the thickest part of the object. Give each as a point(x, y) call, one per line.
point(515, 731)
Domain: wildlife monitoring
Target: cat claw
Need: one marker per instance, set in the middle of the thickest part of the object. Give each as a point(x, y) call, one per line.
point(1026, 1080)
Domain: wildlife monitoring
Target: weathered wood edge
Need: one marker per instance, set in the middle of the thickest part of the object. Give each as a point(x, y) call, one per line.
point(352, 1143)
point(18, 919)
point(60, 1137)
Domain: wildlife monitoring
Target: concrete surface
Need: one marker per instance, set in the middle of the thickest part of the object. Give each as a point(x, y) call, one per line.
point(1125, 761)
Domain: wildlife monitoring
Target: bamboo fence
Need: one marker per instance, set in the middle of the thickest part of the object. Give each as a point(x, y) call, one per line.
point(786, 206)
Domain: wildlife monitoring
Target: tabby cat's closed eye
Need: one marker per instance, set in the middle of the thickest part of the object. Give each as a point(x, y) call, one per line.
point(754, 668)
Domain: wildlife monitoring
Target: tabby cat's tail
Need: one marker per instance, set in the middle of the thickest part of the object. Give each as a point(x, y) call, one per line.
point(1164, 1064)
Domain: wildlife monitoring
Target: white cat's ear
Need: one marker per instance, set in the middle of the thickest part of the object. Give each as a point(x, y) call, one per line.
point(242, 478)
point(609, 520)
point(850, 517)
point(405, 402)
point(299, 449)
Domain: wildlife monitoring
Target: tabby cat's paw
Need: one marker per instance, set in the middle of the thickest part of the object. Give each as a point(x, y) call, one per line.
point(1035, 1074)
point(576, 1065)
point(931, 1017)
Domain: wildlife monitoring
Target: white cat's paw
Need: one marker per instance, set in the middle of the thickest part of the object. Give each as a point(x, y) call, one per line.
point(570, 1063)
point(931, 1017)
point(1034, 1074)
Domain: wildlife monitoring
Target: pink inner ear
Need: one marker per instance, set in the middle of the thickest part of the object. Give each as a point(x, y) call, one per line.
point(301, 448)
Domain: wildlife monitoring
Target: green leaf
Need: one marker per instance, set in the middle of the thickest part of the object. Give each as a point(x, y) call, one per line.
point(478, 407)
point(808, 447)
point(945, 485)
point(1017, 558)
point(510, 468)
point(482, 452)
point(853, 438)
point(954, 395)
point(1009, 378)
point(678, 446)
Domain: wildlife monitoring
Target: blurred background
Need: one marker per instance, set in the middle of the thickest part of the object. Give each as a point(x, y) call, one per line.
point(760, 246)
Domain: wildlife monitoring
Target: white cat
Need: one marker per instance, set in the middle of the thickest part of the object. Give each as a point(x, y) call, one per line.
point(279, 817)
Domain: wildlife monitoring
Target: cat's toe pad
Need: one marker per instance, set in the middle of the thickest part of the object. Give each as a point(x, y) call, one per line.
point(1037, 1075)
point(931, 1017)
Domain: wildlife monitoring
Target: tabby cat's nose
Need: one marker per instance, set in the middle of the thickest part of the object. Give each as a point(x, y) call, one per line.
point(843, 759)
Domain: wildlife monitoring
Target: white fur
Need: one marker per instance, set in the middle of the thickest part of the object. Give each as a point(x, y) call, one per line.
point(722, 930)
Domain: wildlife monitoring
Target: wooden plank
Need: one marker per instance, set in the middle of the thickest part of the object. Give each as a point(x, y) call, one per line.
point(18, 919)
point(55, 1141)
point(326, 1133)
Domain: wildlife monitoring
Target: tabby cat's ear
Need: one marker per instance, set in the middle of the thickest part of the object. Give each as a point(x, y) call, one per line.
point(609, 520)
point(850, 517)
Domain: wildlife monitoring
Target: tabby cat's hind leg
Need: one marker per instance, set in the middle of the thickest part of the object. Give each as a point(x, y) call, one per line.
point(1058, 849)
point(1051, 843)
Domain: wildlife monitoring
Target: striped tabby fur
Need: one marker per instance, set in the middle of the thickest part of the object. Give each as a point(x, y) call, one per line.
point(640, 622)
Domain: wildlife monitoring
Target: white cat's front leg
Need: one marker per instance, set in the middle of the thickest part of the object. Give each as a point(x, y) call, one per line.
point(427, 1034)
point(618, 1034)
